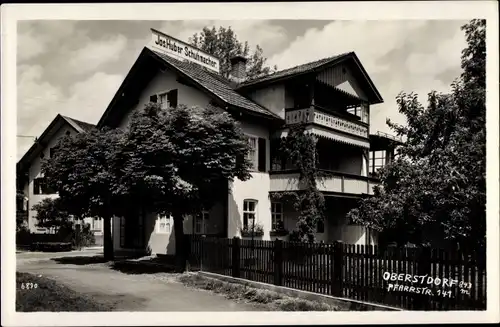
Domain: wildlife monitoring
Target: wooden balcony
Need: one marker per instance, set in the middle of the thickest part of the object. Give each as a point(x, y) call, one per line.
point(334, 182)
point(314, 115)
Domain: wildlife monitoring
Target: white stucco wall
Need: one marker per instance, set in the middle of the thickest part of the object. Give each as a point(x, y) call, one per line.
point(163, 82)
point(272, 97)
point(256, 188)
point(35, 172)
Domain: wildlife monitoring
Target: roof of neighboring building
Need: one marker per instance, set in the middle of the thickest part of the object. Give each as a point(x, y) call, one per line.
point(83, 126)
point(218, 85)
point(383, 141)
point(41, 142)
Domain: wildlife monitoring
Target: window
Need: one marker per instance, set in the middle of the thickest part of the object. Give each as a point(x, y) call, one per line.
point(162, 100)
point(41, 187)
point(249, 210)
point(320, 227)
point(277, 216)
point(37, 186)
point(360, 111)
point(252, 153)
point(164, 224)
point(377, 160)
point(165, 99)
point(52, 151)
point(97, 224)
point(201, 222)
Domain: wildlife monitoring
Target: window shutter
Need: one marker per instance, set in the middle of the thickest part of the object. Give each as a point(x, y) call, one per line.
point(122, 232)
point(153, 98)
point(172, 98)
point(262, 154)
point(36, 186)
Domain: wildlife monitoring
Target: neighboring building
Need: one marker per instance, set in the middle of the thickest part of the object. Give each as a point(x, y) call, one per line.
point(30, 179)
point(333, 96)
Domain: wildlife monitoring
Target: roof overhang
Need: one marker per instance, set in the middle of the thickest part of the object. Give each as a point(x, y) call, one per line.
point(147, 65)
point(373, 94)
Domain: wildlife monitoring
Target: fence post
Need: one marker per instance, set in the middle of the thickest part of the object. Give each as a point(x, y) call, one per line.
point(278, 262)
point(424, 269)
point(202, 252)
point(336, 267)
point(236, 257)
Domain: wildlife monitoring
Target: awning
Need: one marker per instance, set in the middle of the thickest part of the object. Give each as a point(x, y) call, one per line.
point(331, 135)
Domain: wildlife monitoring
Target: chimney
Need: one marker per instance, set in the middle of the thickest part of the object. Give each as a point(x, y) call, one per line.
point(238, 69)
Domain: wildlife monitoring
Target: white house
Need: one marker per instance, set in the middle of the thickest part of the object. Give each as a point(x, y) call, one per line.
point(334, 96)
point(30, 177)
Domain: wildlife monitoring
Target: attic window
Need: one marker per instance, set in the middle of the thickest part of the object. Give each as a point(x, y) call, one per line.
point(344, 71)
point(166, 99)
point(68, 133)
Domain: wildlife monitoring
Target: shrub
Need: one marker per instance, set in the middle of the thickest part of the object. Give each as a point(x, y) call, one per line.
point(23, 236)
point(82, 237)
point(51, 246)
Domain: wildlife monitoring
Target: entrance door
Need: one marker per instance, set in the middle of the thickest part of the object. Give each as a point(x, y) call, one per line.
point(132, 232)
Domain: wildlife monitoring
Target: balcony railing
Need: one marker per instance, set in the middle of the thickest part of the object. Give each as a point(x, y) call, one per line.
point(330, 181)
point(329, 120)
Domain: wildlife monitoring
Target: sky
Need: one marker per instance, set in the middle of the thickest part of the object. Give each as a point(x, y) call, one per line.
point(74, 68)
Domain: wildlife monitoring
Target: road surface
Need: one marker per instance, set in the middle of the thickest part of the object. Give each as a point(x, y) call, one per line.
point(124, 291)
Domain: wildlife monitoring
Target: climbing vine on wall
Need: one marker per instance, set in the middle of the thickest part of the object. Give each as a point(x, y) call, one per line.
point(300, 148)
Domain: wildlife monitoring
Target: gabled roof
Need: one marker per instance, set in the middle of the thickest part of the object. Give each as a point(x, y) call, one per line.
point(313, 66)
point(211, 83)
point(79, 125)
point(293, 71)
point(216, 84)
point(41, 142)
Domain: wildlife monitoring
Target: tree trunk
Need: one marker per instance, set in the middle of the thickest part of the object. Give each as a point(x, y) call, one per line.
point(108, 240)
point(180, 249)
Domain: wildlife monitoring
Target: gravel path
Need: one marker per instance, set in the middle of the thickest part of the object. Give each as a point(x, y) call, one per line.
point(126, 291)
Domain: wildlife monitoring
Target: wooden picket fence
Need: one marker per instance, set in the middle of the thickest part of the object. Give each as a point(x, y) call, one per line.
point(412, 279)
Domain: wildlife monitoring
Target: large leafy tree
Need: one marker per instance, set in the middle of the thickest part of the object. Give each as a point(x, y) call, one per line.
point(435, 188)
point(224, 44)
point(82, 171)
point(180, 161)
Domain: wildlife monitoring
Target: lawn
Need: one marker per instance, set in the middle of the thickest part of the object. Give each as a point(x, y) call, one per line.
point(37, 293)
point(272, 301)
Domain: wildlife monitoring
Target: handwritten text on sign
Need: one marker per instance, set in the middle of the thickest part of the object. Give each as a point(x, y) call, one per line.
point(180, 50)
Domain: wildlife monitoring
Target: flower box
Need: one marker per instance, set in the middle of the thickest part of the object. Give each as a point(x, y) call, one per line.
point(256, 230)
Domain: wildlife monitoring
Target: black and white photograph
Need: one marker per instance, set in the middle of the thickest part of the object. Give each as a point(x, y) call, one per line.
point(212, 160)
